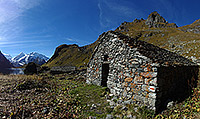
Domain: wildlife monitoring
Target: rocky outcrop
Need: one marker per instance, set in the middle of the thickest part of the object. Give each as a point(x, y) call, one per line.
point(157, 21)
point(154, 17)
point(4, 63)
point(123, 27)
point(194, 27)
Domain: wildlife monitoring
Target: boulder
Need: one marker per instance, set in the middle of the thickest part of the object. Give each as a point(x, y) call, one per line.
point(31, 68)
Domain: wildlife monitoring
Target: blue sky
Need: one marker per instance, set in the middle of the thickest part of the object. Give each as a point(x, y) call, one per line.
point(42, 25)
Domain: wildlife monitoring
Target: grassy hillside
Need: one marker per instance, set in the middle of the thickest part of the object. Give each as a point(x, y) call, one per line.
point(176, 40)
point(71, 55)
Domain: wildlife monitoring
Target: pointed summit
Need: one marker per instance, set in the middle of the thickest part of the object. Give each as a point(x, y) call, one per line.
point(18, 56)
point(157, 21)
point(154, 18)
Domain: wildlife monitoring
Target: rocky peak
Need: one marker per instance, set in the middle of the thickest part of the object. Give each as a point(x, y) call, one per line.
point(157, 21)
point(154, 18)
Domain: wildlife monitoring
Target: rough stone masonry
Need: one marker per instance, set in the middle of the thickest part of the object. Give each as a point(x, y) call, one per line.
point(138, 72)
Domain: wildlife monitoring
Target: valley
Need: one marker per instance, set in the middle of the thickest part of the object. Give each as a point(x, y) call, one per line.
point(67, 95)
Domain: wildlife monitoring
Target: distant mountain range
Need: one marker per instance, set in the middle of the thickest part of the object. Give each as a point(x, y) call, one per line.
point(23, 59)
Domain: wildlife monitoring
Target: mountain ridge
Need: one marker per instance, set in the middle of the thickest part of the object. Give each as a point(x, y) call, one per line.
point(175, 39)
point(23, 59)
point(155, 30)
point(9, 57)
point(71, 55)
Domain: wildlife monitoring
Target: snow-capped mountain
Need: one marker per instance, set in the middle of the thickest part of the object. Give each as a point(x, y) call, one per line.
point(18, 56)
point(23, 58)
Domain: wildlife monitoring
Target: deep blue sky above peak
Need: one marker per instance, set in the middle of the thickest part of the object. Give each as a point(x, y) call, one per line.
point(42, 25)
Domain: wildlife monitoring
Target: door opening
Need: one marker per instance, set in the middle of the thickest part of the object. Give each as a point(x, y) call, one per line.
point(105, 71)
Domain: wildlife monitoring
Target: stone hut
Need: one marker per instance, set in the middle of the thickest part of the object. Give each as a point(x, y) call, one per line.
point(138, 72)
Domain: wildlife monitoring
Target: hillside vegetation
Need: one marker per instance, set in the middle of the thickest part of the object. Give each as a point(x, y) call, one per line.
point(71, 55)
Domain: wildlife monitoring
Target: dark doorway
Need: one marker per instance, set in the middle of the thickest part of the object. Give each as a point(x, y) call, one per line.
point(105, 58)
point(105, 71)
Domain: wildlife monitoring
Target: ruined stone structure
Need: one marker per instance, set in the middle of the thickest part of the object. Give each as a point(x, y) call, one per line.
point(138, 72)
point(62, 69)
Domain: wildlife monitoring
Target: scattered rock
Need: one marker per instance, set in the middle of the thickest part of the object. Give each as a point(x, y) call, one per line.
point(170, 104)
point(45, 110)
point(124, 108)
point(93, 107)
point(91, 117)
point(131, 116)
point(109, 116)
point(4, 117)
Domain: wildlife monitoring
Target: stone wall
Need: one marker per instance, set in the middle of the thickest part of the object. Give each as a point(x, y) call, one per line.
point(132, 77)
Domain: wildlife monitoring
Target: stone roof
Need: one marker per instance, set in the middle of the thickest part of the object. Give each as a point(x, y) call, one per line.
point(155, 53)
